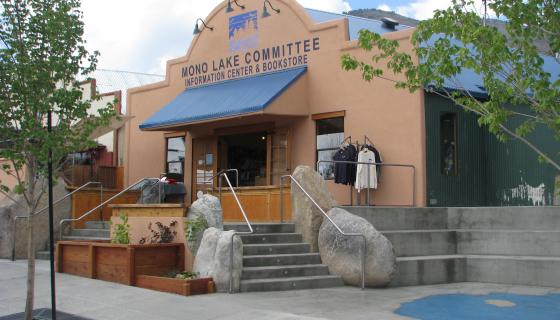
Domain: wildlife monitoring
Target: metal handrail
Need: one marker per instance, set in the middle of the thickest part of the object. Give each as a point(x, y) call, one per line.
point(223, 174)
point(368, 174)
point(219, 174)
point(364, 247)
point(235, 233)
point(104, 203)
point(16, 218)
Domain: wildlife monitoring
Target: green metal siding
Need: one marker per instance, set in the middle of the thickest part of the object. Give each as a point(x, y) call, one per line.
point(490, 173)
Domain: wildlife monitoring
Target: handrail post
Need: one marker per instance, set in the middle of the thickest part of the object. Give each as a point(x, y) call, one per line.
point(281, 199)
point(219, 187)
point(368, 184)
point(100, 201)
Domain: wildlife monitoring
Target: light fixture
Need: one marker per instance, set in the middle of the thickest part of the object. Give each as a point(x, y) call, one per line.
point(197, 30)
point(265, 11)
point(230, 8)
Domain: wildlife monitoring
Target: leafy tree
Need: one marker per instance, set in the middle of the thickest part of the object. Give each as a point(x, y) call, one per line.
point(510, 65)
point(42, 53)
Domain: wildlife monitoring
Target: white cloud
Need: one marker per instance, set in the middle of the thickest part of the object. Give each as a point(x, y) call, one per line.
point(327, 5)
point(422, 9)
point(384, 7)
point(142, 35)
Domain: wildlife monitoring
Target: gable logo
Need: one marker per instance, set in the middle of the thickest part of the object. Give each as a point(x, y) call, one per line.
point(243, 32)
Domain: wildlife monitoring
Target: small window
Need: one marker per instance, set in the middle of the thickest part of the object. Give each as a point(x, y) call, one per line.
point(330, 134)
point(448, 145)
point(175, 163)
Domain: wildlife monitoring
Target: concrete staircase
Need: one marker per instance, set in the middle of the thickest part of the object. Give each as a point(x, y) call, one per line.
point(514, 245)
point(95, 230)
point(275, 258)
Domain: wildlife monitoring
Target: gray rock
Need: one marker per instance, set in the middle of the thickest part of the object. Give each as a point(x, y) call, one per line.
point(204, 258)
point(210, 208)
point(307, 217)
point(8, 210)
point(342, 254)
point(213, 258)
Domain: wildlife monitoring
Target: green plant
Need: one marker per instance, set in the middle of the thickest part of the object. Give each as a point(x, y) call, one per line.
point(185, 275)
point(164, 234)
point(194, 226)
point(121, 231)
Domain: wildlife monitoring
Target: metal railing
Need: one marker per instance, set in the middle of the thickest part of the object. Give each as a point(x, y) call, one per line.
point(219, 174)
point(364, 247)
point(223, 174)
point(369, 164)
point(16, 218)
point(100, 206)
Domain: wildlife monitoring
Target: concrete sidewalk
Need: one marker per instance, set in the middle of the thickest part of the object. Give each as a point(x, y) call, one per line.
point(96, 299)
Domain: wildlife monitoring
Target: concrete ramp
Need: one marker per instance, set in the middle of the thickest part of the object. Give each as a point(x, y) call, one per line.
point(510, 245)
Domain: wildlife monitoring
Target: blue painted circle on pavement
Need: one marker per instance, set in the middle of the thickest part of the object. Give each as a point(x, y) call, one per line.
point(498, 306)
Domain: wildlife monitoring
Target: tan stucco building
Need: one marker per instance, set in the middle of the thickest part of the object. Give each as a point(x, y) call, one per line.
point(264, 93)
point(244, 45)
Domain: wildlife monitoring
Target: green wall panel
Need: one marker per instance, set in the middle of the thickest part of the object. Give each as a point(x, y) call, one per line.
point(490, 173)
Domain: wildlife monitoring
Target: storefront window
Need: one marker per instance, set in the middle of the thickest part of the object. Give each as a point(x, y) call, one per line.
point(247, 153)
point(448, 152)
point(330, 134)
point(175, 164)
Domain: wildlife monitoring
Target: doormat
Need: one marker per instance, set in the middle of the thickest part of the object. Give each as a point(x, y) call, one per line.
point(44, 314)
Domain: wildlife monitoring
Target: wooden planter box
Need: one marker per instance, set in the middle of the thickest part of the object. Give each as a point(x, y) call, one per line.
point(178, 286)
point(117, 262)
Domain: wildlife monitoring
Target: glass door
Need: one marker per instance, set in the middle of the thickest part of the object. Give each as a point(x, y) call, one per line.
point(204, 165)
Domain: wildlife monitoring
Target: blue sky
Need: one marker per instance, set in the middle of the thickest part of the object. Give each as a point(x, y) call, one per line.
point(142, 35)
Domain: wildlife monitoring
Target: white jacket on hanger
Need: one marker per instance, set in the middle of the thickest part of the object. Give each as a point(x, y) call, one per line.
point(368, 156)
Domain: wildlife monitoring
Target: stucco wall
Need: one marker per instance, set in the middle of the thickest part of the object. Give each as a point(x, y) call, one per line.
point(391, 118)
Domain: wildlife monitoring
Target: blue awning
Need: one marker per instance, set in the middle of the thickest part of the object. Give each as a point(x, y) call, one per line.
point(223, 99)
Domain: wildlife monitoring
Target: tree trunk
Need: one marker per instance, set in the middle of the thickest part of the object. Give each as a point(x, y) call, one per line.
point(30, 269)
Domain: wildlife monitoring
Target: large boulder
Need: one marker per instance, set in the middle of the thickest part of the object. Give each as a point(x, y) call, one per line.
point(209, 207)
point(205, 212)
point(9, 210)
point(213, 258)
point(307, 216)
point(342, 254)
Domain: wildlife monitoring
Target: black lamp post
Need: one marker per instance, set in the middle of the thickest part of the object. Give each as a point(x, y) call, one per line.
point(51, 219)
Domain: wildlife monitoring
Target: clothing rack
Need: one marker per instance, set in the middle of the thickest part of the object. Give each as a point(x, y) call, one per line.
point(358, 148)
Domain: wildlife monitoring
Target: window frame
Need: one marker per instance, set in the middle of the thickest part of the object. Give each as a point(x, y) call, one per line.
point(323, 117)
point(455, 171)
point(167, 162)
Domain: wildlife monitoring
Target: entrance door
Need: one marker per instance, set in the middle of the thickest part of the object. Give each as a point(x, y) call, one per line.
point(204, 164)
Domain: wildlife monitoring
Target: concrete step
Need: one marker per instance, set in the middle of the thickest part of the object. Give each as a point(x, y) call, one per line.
point(43, 255)
point(275, 248)
point(383, 218)
point(272, 238)
point(97, 225)
point(262, 227)
point(305, 270)
point(73, 238)
point(517, 270)
point(509, 242)
point(426, 270)
point(281, 259)
point(296, 283)
point(409, 243)
point(505, 218)
point(98, 233)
